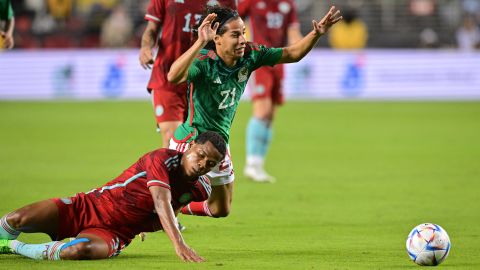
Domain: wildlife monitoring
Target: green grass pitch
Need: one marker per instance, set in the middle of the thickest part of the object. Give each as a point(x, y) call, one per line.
point(353, 179)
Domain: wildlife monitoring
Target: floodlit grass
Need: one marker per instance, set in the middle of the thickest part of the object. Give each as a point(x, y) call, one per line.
point(353, 178)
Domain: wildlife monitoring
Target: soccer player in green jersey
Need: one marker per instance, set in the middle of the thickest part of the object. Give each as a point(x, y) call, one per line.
point(217, 67)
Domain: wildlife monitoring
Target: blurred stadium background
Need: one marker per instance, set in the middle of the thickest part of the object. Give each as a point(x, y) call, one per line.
point(413, 50)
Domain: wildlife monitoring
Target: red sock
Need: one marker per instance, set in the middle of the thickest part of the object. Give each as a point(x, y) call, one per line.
point(197, 209)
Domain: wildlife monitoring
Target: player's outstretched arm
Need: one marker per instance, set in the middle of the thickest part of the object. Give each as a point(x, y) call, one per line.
point(206, 32)
point(162, 198)
point(297, 51)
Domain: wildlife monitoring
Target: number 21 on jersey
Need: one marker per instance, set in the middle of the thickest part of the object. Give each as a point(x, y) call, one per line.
point(228, 99)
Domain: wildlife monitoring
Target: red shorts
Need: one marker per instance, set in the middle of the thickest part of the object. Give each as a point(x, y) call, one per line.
point(77, 215)
point(267, 83)
point(170, 104)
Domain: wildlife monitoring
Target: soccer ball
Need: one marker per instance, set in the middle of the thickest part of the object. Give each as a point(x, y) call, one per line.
point(428, 244)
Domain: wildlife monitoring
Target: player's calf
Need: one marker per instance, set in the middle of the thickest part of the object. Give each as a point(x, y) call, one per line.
point(79, 249)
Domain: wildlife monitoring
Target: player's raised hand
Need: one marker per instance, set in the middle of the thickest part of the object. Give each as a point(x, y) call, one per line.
point(331, 18)
point(187, 254)
point(207, 31)
point(146, 57)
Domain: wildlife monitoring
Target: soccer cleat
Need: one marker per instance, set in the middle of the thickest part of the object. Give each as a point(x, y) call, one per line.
point(5, 246)
point(258, 174)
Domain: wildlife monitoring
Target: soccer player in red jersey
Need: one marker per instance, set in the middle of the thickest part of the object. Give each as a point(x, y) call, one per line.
point(169, 31)
point(146, 197)
point(273, 23)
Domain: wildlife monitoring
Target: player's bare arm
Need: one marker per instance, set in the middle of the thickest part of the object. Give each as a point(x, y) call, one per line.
point(206, 32)
point(161, 199)
point(148, 42)
point(297, 51)
point(294, 34)
point(8, 41)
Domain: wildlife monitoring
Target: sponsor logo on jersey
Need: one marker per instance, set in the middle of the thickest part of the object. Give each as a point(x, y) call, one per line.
point(243, 74)
point(217, 81)
point(180, 1)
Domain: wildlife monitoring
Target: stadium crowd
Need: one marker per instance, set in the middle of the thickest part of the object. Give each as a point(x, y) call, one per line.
point(120, 23)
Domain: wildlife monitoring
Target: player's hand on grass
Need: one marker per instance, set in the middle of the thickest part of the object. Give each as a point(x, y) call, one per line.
point(187, 254)
point(207, 31)
point(146, 57)
point(331, 18)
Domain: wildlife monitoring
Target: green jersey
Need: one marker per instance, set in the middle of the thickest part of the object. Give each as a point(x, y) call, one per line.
point(6, 11)
point(214, 90)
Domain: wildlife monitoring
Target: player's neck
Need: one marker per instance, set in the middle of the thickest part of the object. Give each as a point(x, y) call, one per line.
point(229, 61)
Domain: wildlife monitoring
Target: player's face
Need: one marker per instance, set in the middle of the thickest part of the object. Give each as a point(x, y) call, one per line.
point(200, 159)
point(232, 43)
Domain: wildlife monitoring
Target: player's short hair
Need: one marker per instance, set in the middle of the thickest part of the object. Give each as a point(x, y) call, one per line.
point(215, 138)
point(224, 15)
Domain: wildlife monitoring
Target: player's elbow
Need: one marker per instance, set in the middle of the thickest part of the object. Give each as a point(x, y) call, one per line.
point(171, 77)
point(174, 77)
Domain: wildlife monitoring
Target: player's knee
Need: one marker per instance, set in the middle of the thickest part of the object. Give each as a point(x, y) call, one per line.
point(17, 219)
point(220, 211)
point(79, 251)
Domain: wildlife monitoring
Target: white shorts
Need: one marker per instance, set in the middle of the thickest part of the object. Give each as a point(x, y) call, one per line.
point(221, 174)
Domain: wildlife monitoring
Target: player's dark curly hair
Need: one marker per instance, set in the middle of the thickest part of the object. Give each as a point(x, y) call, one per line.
point(224, 16)
point(215, 138)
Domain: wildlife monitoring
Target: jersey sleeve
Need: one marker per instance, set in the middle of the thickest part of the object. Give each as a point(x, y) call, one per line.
point(243, 8)
point(157, 174)
point(7, 14)
point(202, 189)
point(195, 70)
point(264, 56)
point(155, 11)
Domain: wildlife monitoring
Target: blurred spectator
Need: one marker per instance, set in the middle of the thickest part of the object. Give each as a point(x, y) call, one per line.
point(349, 33)
point(8, 21)
point(428, 38)
point(468, 35)
point(60, 9)
point(117, 29)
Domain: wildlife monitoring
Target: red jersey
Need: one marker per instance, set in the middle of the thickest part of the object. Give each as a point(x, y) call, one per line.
point(177, 19)
point(125, 205)
point(269, 20)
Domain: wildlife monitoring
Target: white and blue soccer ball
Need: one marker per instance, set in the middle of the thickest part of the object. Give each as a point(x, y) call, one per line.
point(428, 244)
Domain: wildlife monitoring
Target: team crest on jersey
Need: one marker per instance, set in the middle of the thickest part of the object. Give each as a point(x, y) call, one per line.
point(185, 198)
point(284, 7)
point(261, 5)
point(243, 74)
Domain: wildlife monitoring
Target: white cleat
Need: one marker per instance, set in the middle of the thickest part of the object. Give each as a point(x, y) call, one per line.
point(258, 174)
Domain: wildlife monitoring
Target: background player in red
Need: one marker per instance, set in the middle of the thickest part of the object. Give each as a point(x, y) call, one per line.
point(169, 31)
point(146, 197)
point(274, 24)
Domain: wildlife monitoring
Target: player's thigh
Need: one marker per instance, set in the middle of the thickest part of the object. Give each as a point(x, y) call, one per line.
point(169, 105)
point(37, 217)
point(263, 108)
point(223, 193)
